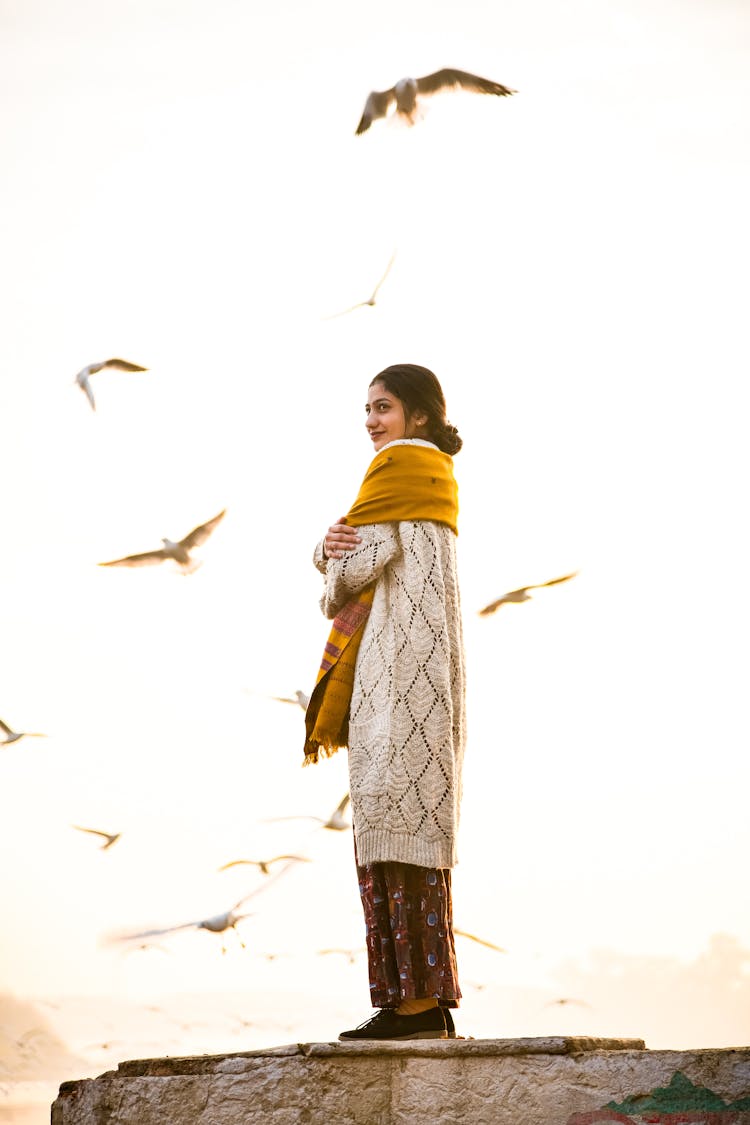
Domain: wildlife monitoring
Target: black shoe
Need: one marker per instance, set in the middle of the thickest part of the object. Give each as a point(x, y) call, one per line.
point(450, 1027)
point(387, 1024)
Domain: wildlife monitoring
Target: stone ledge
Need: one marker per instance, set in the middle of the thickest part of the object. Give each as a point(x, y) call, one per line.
point(549, 1081)
point(425, 1048)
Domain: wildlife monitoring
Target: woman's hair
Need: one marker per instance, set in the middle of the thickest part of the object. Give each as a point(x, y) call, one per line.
point(419, 390)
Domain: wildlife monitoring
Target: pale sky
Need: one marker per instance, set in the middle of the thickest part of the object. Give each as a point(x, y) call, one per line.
point(182, 187)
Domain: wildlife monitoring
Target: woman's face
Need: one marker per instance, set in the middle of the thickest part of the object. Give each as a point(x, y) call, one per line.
point(386, 420)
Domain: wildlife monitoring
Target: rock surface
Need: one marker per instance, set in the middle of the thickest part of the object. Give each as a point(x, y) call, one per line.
point(551, 1081)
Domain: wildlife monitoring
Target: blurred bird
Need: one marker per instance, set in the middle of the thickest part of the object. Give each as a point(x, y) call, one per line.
point(478, 940)
point(350, 954)
point(14, 735)
point(371, 299)
point(522, 595)
point(82, 378)
point(563, 1001)
point(335, 821)
point(218, 924)
point(263, 864)
point(301, 698)
point(109, 838)
point(179, 551)
point(407, 91)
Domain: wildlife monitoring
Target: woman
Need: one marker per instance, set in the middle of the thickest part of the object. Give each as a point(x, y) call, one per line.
point(391, 688)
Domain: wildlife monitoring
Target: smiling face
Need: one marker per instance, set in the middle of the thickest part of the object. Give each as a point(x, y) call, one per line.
point(386, 419)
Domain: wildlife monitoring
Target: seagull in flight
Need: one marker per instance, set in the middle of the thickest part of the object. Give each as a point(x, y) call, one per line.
point(109, 838)
point(478, 940)
point(264, 864)
point(350, 954)
point(335, 821)
point(564, 1001)
point(14, 735)
point(523, 595)
point(82, 378)
point(407, 91)
point(301, 698)
point(371, 299)
point(179, 551)
point(217, 924)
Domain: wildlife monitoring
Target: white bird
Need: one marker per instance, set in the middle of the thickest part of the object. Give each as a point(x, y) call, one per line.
point(407, 91)
point(263, 864)
point(217, 924)
point(350, 954)
point(178, 551)
point(522, 594)
point(14, 735)
point(371, 299)
point(301, 698)
point(82, 378)
point(335, 821)
point(478, 940)
point(564, 1001)
point(109, 838)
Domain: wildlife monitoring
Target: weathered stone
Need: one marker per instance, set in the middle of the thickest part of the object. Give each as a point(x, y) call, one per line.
point(558, 1081)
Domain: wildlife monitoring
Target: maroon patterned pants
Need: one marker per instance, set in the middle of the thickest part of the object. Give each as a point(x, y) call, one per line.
point(409, 924)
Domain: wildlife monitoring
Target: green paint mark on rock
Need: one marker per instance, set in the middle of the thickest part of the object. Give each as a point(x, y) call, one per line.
point(680, 1095)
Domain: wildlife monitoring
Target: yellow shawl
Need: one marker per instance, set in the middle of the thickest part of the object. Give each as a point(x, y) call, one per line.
point(403, 482)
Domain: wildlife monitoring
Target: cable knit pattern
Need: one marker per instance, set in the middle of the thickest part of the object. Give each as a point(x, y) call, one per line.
point(406, 725)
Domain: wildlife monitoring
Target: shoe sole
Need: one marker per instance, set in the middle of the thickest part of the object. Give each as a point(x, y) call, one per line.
point(394, 1038)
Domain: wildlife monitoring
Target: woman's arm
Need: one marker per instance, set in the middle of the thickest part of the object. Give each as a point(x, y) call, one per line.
point(359, 567)
point(337, 540)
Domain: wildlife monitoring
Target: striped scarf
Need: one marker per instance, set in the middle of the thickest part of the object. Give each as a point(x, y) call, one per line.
point(403, 482)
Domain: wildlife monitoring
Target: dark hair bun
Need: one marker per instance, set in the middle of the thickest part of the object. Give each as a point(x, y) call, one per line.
point(450, 440)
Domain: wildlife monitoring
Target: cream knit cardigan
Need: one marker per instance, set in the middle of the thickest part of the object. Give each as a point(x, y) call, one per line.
point(406, 722)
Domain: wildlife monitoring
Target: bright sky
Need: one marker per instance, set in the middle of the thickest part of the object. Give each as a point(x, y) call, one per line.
point(182, 187)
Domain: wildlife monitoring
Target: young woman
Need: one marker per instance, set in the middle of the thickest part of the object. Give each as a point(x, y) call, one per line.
point(391, 688)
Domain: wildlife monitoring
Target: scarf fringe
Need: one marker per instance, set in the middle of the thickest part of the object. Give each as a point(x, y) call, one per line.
point(319, 751)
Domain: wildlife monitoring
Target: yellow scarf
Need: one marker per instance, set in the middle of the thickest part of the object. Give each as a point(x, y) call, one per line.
point(403, 482)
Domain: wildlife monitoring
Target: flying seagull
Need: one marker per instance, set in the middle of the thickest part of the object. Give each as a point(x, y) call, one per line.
point(264, 864)
point(301, 699)
point(109, 838)
point(350, 954)
point(371, 299)
point(478, 940)
point(179, 551)
point(407, 90)
point(218, 924)
point(564, 1001)
point(523, 595)
point(82, 378)
point(335, 821)
point(14, 735)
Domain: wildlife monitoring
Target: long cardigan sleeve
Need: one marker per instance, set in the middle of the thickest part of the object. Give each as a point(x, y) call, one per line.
point(360, 566)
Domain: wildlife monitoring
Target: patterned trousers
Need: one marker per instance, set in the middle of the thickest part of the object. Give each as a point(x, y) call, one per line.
point(409, 925)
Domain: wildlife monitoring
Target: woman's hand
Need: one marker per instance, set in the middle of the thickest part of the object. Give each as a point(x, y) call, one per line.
point(339, 539)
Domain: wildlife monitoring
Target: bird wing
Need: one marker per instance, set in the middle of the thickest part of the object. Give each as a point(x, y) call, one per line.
point(552, 581)
point(478, 940)
point(147, 558)
point(264, 885)
point(153, 933)
point(488, 609)
point(448, 78)
point(239, 863)
point(377, 105)
point(6, 728)
point(200, 534)
point(343, 803)
point(121, 365)
point(86, 388)
point(92, 831)
point(385, 275)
